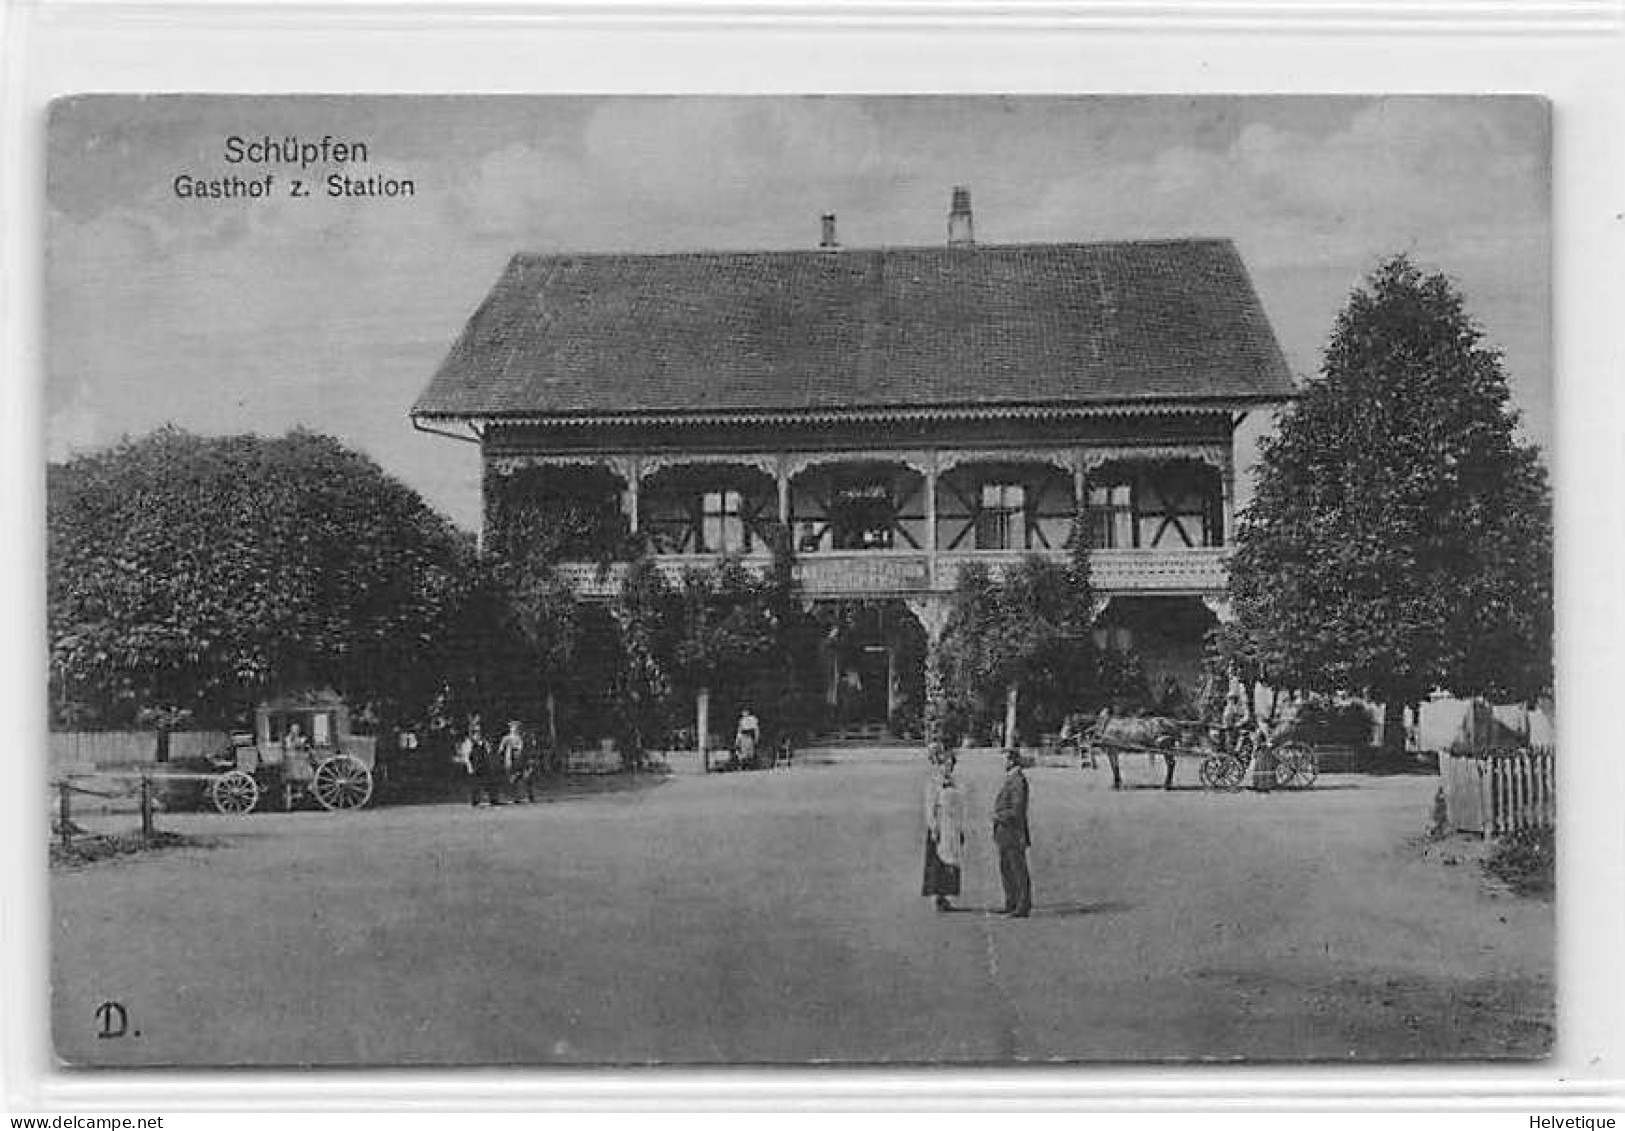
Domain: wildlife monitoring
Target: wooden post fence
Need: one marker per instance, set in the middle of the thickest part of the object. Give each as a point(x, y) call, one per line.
point(146, 809)
point(1493, 793)
point(111, 793)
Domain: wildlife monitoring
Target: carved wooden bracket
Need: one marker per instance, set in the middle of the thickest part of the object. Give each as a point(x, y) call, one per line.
point(1059, 458)
point(1215, 455)
point(932, 613)
point(765, 462)
point(797, 462)
point(620, 466)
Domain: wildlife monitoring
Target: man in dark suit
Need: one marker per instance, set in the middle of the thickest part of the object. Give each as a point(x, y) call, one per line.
point(1011, 835)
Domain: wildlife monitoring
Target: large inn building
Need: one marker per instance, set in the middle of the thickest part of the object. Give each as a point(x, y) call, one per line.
point(904, 411)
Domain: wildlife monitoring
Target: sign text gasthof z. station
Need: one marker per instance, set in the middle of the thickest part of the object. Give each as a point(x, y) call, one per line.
point(260, 166)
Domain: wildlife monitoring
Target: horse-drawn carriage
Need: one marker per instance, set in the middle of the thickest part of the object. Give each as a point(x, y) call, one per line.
point(301, 749)
point(1224, 758)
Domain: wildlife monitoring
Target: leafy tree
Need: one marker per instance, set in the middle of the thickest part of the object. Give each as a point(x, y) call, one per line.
point(646, 612)
point(1027, 632)
point(1044, 643)
point(1400, 540)
point(192, 574)
point(732, 637)
point(970, 660)
point(727, 631)
point(788, 690)
point(557, 513)
point(545, 610)
point(1230, 652)
point(1122, 682)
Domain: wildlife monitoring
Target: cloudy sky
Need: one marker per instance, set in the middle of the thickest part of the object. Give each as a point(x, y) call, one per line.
point(228, 316)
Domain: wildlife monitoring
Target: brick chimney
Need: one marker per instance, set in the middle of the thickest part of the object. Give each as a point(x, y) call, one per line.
point(961, 233)
point(828, 242)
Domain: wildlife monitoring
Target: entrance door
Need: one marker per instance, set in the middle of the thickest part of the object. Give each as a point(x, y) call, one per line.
point(873, 671)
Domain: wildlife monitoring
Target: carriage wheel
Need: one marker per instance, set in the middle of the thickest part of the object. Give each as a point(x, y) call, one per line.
point(1229, 771)
point(234, 793)
point(341, 782)
point(1283, 767)
point(1295, 766)
point(1211, 769)
point(1286, 768)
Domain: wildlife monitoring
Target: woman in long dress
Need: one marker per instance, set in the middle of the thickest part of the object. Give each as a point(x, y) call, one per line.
point(746, 737)
point(944, 837)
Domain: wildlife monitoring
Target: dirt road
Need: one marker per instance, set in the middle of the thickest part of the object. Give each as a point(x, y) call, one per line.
point(776, 917)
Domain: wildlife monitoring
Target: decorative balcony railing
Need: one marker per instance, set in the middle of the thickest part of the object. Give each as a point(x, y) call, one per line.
point(899, 573)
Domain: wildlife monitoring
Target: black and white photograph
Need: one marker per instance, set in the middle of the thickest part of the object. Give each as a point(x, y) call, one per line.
point(953, 580)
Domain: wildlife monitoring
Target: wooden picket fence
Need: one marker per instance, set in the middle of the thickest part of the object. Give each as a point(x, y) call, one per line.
point(1496, 792)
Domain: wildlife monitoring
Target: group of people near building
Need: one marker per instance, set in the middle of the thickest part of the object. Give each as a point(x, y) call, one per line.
point(506, 768)
point(945, 835)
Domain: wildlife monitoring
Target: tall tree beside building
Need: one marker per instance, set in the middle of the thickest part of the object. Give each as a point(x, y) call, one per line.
point(647, 619)
point(727, 636)
point(195, 574)
point(544, 607)
point(1400, 540)
point(1022, 642)
point(735, 639)
point(970, 667)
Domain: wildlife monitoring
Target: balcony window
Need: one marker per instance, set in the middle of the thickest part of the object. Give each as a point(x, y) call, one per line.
point(863, 516)
point(1161, 507)
point(1175, 513)
point(722, 523)
point(1001, 519)
point(1111, 517)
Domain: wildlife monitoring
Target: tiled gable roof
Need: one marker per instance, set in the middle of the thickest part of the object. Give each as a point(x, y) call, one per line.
point(1061, 325)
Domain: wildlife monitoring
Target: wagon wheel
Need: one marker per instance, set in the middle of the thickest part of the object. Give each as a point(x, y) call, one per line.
point(1284, 766)
point(1295, 766)
point(1213, 769)
point(1228, 771)
point(234, 793)
point(341, 782)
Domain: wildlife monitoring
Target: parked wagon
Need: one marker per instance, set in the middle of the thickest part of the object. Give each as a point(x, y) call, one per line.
point(1223, 765)
point(301, 750)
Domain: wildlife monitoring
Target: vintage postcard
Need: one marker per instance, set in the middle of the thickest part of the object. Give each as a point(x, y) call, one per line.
point(785, 580)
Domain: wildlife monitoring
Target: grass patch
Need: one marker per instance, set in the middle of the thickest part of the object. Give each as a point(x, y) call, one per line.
point(95, 849)
point(1526, 861)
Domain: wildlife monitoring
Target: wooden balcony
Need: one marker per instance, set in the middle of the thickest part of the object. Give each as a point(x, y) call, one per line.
point(902, 573)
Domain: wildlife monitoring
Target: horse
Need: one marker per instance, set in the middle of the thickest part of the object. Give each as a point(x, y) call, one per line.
point(1151, 733)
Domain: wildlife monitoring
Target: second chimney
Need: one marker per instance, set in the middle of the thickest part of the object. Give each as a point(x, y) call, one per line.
point(961, 233)
point(828, 242)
